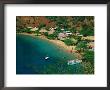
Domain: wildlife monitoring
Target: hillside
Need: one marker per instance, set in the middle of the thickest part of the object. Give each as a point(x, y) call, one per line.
point(76, 22)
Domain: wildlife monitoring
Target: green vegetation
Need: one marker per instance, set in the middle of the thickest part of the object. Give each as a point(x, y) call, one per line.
point(46, 34)
point(41, 25)
point(53, 18)
point(51, 36)
point(87, 31)
point(37, 33)
point(88, 67)
point(79, 19)
point(69, 29)
point(88, 56)
point(27, 30)
point(68, 42)
point(81, 46)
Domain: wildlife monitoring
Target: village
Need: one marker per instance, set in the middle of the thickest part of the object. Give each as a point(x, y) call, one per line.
point(64, 34)
point(76, 38)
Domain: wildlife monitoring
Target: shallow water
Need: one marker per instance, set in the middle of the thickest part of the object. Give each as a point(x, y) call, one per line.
point(31, 53)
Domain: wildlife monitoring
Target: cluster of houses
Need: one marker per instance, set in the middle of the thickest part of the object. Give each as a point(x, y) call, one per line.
point(64, 34)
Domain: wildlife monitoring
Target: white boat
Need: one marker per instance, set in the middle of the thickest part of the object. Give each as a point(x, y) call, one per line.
point(71, 62)
point(46, 57)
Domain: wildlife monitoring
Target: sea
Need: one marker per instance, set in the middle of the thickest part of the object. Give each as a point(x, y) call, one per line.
point(39, 56)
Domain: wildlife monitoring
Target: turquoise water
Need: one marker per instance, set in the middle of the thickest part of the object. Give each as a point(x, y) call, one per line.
point(31, 53)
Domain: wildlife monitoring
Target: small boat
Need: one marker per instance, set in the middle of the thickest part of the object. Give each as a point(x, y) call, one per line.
point(46, 57)
point(71, 62)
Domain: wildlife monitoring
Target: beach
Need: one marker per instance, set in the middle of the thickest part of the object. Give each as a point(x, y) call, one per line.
point(57, 42)
point(69, 49)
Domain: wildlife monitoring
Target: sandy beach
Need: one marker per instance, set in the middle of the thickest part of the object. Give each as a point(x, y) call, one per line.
point(57, 42)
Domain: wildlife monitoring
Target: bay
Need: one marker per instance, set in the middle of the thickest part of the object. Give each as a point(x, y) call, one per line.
point(31, 53)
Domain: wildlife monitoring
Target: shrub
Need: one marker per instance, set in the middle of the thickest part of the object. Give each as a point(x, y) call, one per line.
point(88, 56)
point(46, 33)
point(51, 36)
point(74, 41)
point(81, 46)
point(88, 68)
point(78, 38)
point(87, 31)
point(37, 32)
point(68, 42)
point(41, 25)
point(28, 30)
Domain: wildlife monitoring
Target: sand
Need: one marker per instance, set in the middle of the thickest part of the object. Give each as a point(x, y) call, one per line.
point(70, 49)
point(61, 44)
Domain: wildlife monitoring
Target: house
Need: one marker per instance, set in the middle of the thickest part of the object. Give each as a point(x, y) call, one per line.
point(30, 27)
point(67, 33)
point(42, 31)
point(62, 36)
point(62, 29)
point(52, 30)
point(34, 29)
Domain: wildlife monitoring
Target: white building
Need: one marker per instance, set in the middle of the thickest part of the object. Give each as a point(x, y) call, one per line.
point(34, 29)
point(62, 36)
point(68, 33)
point(62, 29)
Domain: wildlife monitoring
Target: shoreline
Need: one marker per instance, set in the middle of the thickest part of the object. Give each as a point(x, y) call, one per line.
point(57, 42)
point(69, 49)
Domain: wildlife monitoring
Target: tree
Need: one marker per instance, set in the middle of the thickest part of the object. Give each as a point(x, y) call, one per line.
point(74, 41)
point(41, 25)
point(37, 32)
point(68, 42)
point(81, 46)
point(62, 22)
point(52, 18)
point(46, 33)
point(51, 36)
point(77, 19)
point(27, 30)
point(78, 38)
point(73, 30)
point(87, 31)
point(89, 56)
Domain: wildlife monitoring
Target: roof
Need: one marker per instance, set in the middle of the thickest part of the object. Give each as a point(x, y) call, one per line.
point(43, 30)
point(29, 27)
point(88, 38)
point(34, 29)
point(61, 35)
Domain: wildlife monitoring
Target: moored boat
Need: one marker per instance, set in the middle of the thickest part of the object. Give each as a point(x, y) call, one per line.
point(71, 62)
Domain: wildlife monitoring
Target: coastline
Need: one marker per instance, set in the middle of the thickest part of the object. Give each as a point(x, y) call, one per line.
point(70, 49)
point(57, 42)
